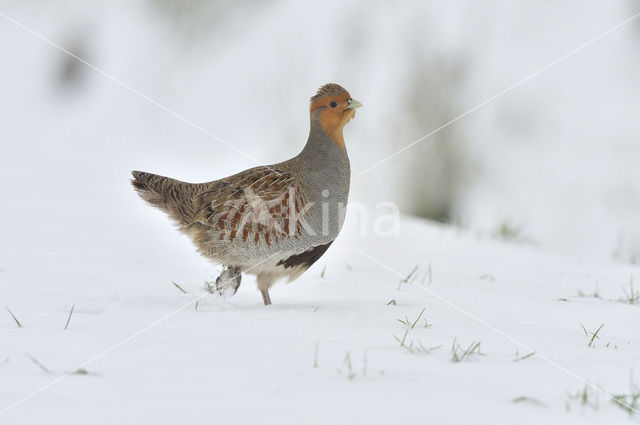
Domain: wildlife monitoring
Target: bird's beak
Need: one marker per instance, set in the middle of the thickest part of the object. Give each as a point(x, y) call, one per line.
point(353, 104)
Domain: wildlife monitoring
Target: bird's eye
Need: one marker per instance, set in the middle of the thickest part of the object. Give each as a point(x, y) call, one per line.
point(333, 104)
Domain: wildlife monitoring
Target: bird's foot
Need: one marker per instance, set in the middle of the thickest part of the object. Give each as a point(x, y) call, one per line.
point(227, 283)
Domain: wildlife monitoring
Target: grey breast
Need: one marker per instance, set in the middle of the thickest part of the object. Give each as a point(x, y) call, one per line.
point(325, 174)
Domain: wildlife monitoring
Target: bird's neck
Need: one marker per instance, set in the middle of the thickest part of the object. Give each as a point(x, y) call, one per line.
point(324, 146)
point(334, 131)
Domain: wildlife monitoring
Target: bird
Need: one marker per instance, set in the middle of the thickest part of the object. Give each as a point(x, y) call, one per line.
point(272, 221)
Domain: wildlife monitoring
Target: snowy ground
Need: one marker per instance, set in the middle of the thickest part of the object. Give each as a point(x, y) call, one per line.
point(325, 352)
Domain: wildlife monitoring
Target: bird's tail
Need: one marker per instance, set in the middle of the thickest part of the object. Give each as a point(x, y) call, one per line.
point(174, 197)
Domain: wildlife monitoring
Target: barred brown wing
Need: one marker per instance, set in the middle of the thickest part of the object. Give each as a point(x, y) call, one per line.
point(260, 205)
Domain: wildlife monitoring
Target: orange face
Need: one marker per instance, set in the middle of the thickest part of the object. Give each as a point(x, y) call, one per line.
point(335, 112)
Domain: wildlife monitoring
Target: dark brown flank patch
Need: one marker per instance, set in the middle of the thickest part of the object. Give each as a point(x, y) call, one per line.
point(305, 259)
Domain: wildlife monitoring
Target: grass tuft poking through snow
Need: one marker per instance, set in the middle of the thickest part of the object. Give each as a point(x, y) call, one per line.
point(587, 397)
point(458, 353)
point(408, 277)
point(350, 372)
point(525, 357)
point(628, 402)
point(66, 326)
point(631, 296)
point(179, 287)
point(508, 231)
point(594, 294)
point(39, 364)
point(410, 324)
point(14, 318)
point(427, 276)
point(83, 372)
point(414, 346)
point(528, 400)
point(594, 335)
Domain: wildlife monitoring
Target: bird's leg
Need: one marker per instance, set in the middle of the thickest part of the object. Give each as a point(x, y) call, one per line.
point(265, 281)
point(227, 283)
point(265, 297)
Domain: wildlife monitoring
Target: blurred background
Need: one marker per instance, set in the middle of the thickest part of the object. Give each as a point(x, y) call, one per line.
point(554, 162)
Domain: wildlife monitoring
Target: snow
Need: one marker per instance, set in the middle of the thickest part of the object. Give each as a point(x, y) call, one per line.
point(75, 234)
point(237, 361)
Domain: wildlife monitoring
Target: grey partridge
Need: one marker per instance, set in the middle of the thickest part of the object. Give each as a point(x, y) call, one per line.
point(271, 221)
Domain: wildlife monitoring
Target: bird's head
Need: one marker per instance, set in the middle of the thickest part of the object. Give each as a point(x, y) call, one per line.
point(332, 107)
